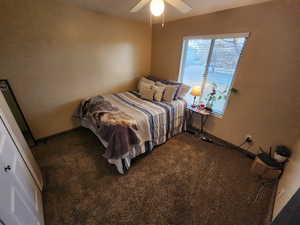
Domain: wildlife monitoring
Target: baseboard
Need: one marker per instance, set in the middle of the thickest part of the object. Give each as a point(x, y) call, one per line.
point(230, 145)
point(44, 139)
point(223, 143)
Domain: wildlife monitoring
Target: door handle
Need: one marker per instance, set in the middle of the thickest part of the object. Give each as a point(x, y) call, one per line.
point(6, 169)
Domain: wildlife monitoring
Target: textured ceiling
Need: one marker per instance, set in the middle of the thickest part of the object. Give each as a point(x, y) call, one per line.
point(122, 7)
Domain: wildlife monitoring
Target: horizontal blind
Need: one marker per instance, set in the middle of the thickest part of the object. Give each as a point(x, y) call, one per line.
point(210, 61)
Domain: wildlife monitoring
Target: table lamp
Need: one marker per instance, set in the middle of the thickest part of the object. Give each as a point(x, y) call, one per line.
point(196, 91)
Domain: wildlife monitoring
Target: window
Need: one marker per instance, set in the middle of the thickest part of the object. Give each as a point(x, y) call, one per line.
point(210, 62)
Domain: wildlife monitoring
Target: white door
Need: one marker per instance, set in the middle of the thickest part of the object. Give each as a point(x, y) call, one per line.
point(20, 197)
point(20, 141)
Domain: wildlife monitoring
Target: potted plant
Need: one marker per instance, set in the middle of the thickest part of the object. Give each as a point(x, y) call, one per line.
point(217, 94)
point(282, 153)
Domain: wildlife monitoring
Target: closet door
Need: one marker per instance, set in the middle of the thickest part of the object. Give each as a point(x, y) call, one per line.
point(20, 197)
point(20, 141)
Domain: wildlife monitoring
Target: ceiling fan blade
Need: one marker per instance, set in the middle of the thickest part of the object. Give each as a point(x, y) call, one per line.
point(180, 5)
point(140, 5)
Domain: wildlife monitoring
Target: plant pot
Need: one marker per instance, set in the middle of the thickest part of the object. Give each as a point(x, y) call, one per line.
point(280, 158)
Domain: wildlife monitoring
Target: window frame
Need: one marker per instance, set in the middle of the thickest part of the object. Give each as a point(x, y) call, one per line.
point(205, 74)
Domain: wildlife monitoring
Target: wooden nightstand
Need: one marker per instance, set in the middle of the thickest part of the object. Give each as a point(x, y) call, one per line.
point(204, 114)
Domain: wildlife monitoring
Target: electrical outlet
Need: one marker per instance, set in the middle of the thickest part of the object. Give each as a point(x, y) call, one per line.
point(248, 138)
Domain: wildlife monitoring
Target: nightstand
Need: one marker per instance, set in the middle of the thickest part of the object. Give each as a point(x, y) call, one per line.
point(204, 114)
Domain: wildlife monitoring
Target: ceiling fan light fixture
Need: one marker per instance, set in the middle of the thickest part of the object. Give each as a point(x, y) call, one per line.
point(157, 7)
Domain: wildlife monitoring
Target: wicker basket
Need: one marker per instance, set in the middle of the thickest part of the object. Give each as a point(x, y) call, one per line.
point(262, 169)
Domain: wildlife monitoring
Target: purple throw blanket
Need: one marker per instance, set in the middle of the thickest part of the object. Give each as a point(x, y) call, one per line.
point(116, 128)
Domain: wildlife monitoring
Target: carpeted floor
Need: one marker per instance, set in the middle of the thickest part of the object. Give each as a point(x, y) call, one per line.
point(184, 181)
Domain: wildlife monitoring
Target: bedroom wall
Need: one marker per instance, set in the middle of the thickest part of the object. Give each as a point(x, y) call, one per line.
point(268, 104)
point(55, 54)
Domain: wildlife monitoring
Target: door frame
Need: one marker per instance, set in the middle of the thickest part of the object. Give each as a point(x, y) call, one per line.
point(19, 108)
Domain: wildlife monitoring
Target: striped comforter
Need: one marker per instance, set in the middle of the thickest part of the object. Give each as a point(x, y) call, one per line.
point(156, 122)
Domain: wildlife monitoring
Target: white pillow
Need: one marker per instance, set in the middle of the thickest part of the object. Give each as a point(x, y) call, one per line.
point(158, 92)
point(143, 81)
point(147, 92)
point(169, 93)
point(183, 90)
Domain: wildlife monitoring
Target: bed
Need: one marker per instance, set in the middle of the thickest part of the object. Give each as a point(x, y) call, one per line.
point(129, 126)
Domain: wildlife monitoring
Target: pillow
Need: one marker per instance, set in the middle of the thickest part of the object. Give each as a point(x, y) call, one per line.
point(174, 83)
point(153, 78)
point(171, 82)
point(167, 82)
point(147, 92)
point(143, 81)
point(183, 90)
point(158, 92)
point(170, 91)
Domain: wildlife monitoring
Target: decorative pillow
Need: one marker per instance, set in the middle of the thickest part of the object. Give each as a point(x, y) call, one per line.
point(183, 90)
point(153, 78)
point(143, 81)
point(167, 82)
point(171, 82)
point(147, 92)
point(158, 92)
point(174, 83)
point(170, 91)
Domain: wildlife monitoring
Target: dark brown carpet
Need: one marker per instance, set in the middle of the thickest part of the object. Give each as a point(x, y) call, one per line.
point(184, 181)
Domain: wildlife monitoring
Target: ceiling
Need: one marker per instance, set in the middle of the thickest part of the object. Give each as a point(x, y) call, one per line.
point(122, 7)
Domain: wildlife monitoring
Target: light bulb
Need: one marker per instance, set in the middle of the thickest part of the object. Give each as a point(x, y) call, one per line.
point(157, 7)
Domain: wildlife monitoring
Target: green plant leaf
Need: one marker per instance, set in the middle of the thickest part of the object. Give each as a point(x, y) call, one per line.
point(234, 90)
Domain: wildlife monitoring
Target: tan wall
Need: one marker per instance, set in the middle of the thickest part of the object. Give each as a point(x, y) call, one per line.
point(289, 182)
point(55, 54)
point(268, 106)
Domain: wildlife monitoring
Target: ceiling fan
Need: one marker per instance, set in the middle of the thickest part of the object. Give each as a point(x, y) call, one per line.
point(157, 7)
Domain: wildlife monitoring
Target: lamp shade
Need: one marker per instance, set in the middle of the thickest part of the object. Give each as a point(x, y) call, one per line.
point(196, 91)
